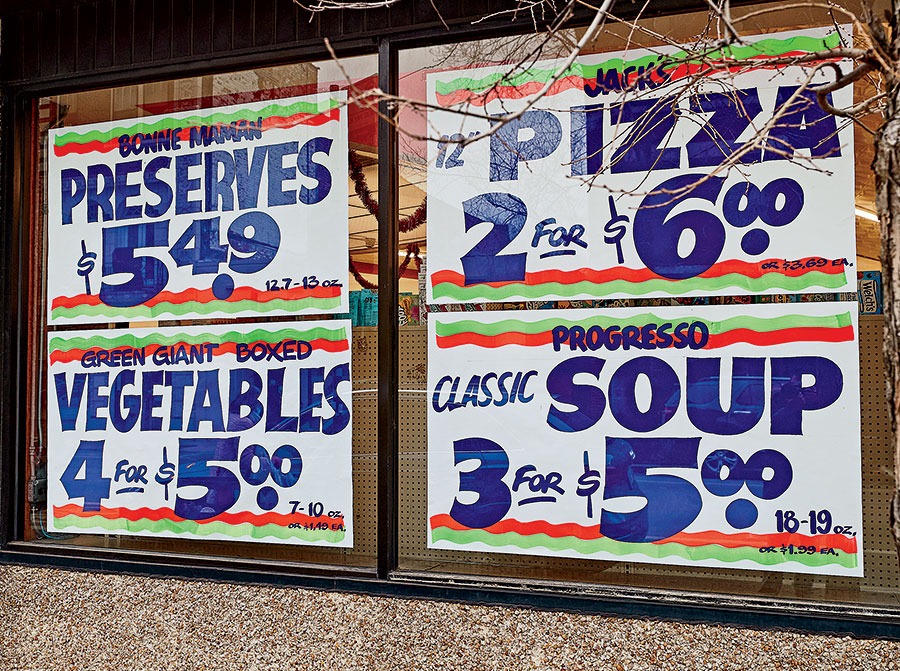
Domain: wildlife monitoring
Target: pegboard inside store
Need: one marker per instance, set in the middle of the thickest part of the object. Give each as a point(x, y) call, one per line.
point(880, 585)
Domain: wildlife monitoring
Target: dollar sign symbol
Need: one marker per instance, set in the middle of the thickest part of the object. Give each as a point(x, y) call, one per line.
point(166, 472)
point(588, 484)
point(86, 266)
point(615, 228)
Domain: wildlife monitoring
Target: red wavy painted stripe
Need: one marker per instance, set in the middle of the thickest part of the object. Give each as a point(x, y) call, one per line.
point(569, 529)
point(762, 338)
point(318, 345)
point(745, 268)
point(509, 92)
point(301, 119)
point(494, 341)
point(577, 81)
point(699, 539)
point(156, 514)
point(714, 67)
point(206, 296)
point(798, 334)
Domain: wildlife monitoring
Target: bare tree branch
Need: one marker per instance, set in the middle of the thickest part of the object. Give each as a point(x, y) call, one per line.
point(438, 12)
point(329, 5)
point(841, 80)
point(722, 10)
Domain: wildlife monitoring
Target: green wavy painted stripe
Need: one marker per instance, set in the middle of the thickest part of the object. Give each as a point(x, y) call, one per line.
point(237, 531)
point(766, 47)
point(64, 344)
point(274, 109)
point(161, 309)
point(758, 324)
point(533, 75)
point(605, 289)
point(652, 550)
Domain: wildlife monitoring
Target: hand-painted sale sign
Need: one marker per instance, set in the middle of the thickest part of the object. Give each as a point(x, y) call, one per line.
point(238, 432)
point(724, 436)
point(223, 212)
point(613, 185)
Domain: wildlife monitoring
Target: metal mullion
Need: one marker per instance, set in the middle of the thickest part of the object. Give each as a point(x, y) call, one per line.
point(388, 304)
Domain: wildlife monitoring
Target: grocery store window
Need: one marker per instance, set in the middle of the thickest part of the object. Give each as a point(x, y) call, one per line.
point(202, 344)
point(512, 352)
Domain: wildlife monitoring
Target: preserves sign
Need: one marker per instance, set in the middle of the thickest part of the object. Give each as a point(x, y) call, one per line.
point(223, 212)
point(237, 432)
point(721, 436)
point(642, 173)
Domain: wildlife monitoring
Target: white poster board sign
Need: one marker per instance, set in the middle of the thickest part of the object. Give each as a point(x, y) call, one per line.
point(612, 185)
point(724, 436)
point(221, 212)
point(229, 432)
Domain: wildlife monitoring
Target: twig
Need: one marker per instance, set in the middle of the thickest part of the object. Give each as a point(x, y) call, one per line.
point(840, 81)
point(329, 5)
point(440, 16)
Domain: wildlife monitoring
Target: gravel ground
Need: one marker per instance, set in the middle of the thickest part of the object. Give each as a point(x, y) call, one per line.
point(51, 619)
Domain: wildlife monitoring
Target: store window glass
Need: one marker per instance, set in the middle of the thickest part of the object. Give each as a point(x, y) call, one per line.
point(203, 341)
point(512, 372)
